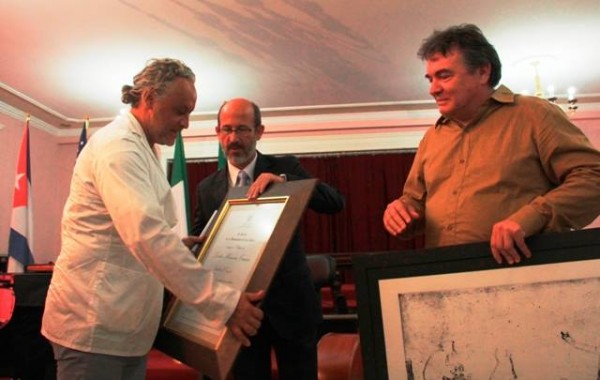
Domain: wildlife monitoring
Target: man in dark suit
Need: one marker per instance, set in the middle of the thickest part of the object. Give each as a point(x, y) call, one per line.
point(292, 311)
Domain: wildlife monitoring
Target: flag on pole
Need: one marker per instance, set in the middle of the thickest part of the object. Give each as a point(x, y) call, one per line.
point(20, 242)
point(83, 136)
point(221, 159)
point(179, 186)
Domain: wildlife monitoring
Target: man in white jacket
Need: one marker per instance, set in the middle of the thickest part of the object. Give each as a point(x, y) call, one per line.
point(118, 249)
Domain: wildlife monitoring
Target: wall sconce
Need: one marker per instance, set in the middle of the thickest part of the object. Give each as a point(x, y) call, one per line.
point(552, 97)
point(571, 99)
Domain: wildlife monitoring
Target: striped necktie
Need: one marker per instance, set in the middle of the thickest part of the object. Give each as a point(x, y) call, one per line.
point(242, 179)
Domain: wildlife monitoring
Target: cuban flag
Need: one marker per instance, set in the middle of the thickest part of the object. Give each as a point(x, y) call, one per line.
point(20, 249)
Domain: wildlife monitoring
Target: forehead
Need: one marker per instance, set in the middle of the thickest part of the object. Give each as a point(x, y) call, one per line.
point(180, 92)
point(438, 61)
point(237, 114)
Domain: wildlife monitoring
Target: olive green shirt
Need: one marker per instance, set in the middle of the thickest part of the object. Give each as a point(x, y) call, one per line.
point(519, 159)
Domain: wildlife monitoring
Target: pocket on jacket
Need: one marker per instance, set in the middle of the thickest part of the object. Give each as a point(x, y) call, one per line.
point(126, 299)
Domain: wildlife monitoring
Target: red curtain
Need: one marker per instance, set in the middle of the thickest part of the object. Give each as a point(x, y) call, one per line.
point(369, 181)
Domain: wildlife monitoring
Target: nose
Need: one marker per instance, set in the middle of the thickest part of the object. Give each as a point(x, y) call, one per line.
point(185, 122)
point(434, 88)
point(234, 136)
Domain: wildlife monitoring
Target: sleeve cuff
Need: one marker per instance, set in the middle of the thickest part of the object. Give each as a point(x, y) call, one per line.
point(531, 219)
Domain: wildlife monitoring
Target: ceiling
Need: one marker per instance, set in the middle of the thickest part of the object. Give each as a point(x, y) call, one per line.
point(71, 57)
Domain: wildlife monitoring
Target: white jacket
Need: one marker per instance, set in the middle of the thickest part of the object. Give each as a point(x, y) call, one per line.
point(118, 249)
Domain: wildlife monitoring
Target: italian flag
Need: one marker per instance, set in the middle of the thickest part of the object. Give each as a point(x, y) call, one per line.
point(179, 187)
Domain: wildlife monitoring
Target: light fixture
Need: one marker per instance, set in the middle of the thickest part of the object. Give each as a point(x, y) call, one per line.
point(550, 94)
point(571, 98)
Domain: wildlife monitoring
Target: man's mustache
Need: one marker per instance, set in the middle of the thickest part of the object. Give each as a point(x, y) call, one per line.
point(234, 146)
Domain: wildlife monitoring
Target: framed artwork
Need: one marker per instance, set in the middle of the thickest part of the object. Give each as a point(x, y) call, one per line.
point(232, 252)
point(243, 249)
point(454, 313)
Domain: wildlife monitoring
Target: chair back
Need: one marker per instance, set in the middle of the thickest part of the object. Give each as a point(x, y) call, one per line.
point(322, 269)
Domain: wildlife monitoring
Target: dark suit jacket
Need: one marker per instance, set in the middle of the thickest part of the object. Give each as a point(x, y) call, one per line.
point(291, 303)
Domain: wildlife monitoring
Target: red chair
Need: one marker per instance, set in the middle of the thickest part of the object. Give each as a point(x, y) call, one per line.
point(340, 357)
point(163, 367)
point(7, 300)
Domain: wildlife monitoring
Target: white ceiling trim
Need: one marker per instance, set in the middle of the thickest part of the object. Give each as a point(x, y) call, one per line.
point(34, 122)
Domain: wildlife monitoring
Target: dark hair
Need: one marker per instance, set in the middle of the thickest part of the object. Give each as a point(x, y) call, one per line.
point(469, 39)
point(255, 108)
point(154, 77)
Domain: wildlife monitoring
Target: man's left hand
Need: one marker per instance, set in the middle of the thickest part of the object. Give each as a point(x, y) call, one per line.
point(508, 238)
point(261, 183)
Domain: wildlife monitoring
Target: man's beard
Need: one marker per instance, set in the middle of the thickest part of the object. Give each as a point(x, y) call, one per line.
point(242, 156)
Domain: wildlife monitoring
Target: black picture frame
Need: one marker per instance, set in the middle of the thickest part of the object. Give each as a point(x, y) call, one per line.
point(576, 252)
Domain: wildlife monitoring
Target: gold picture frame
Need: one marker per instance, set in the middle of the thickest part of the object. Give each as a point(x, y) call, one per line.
point(244, 248)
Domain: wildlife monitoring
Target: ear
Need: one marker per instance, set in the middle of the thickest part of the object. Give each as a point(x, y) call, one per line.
point(484, 73)
point(148, 97)
point(259, 131)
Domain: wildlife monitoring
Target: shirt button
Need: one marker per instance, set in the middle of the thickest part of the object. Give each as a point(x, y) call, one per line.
point(454, 192)
point(449, 228)
point(461, 161)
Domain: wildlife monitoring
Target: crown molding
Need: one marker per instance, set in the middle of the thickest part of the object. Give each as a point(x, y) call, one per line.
point(285, 121)
point(21, 115)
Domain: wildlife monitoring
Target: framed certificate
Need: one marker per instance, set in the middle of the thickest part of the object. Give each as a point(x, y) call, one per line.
point(243, 249)
point(453, 312)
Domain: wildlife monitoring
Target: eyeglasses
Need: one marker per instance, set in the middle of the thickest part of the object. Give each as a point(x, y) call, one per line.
point(240, 131)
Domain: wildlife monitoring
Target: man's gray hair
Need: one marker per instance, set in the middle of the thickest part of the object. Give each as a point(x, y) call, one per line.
point(155, 77)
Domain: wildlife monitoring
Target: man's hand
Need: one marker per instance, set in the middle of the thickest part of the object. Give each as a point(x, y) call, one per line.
point(246, 318)
point(398, 216)
point(261, 183)
point(190, 241)
point(507, 237)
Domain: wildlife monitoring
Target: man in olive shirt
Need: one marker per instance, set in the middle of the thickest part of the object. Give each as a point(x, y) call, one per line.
point(496, 166)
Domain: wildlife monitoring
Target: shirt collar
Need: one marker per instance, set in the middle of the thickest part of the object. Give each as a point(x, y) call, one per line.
point(136, 128)
point(503, 95)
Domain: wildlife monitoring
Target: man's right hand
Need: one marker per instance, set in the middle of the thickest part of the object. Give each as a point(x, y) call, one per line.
point(246, 318)
point(398, 216)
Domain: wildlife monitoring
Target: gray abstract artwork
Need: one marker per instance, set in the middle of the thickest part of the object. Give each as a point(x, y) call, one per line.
point(544, 330)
